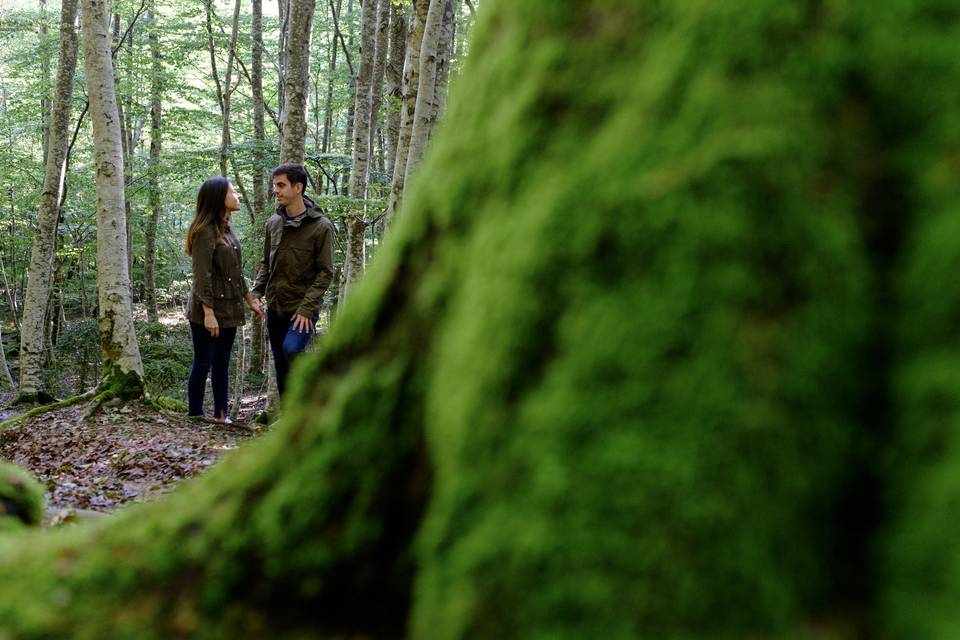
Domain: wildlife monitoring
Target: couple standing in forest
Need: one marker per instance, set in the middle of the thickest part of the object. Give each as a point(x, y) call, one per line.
point(293, 274)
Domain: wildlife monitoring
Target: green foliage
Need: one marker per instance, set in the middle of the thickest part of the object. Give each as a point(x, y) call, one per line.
point(21, 498)
point(167, 353)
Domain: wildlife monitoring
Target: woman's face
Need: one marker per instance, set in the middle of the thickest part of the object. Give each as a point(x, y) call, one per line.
point(232, 201)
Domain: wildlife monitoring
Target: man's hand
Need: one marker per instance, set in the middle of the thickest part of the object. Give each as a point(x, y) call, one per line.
point(257, 308)
point(302, 324)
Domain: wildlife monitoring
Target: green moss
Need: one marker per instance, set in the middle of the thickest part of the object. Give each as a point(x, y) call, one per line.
point(116, 383)
point(165, 403)
point(21, 498)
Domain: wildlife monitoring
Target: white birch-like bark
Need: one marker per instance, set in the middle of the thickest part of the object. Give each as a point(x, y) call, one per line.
point(259, 179)
point(3, 364)
point(41, 256)
point(394, 79)
point(121, 352)
point(355, 257)
point(444, 51)
point(156, 112)
point(361, 102)
point(297, 82)
point(411, 82)
point(423, 114)
point(382, 41)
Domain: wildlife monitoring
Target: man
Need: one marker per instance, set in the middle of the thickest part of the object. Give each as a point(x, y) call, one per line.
point(296, 268)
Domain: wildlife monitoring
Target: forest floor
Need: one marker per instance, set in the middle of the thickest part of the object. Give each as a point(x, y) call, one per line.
point(122, 453)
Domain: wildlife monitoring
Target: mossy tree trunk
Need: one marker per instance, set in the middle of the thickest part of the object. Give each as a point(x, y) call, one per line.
point(121, 352)
point(32, 343)
point(630, 423)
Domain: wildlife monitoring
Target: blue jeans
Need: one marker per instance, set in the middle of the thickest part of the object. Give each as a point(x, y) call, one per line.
point(286, 343)
point(210, 356)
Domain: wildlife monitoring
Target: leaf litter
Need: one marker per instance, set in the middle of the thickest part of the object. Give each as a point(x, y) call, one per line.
point(121, 454)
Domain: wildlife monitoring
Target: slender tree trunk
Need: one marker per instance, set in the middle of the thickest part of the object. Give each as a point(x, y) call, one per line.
point(297, 81)
point(32, 387)
point(444, 50)
point(394, 78)
point(283, 7)
point(425, 109)
point(45, 80)
point(11, 296)
point(351, 110)
point(126, 137)
point(239, 368)
point(3, 363)
point(123, 368)
point(328, 107)
point(259, 175)
point(361, 102)
point(381, 41)
point(156, 136)
point(411, 83)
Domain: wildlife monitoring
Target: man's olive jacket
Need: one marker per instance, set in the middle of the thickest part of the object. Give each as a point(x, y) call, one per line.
point(218, 280)
point(297, 263)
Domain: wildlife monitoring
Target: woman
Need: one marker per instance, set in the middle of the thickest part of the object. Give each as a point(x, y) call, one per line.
point(214, 309)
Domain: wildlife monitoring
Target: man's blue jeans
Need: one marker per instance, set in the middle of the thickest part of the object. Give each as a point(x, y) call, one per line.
point(210, 356)
point(286, 343)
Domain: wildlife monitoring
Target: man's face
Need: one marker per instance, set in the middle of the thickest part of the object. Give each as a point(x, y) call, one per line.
point(284, 191)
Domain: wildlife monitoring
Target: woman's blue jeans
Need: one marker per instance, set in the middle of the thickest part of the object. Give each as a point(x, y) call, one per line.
point(210, 356)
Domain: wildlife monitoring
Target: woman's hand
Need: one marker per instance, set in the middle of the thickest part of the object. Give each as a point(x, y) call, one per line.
point(210, 324)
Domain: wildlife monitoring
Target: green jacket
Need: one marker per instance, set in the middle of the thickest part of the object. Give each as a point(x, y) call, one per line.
point(297, 263)
point(218, 280)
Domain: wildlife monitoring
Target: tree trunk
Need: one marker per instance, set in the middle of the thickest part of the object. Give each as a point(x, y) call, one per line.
point(425, 108)
point(32, 387)
point(444, 51)
point(361, 102)
point(297, 82)
point(283, 6)
point(381, 40)
point(328, 107)
point(44, 81)
point(394, 77)
point(4, 369)
point(625, 424)
point(408, 103)
point(123, 370)
point(260, 160)
point(153, 185)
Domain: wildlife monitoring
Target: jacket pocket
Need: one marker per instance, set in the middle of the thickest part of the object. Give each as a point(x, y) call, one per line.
point(226, 289)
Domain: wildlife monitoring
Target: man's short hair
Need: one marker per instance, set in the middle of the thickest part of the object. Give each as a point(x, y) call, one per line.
point(295, 173)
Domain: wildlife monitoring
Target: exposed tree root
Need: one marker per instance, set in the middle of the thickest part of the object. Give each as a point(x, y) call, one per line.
point(60, 404)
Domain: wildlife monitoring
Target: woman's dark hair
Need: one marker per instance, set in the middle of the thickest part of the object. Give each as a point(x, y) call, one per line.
point(295, 173)
point(210, 210)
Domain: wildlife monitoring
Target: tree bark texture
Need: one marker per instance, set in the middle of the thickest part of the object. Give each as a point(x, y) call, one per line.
point(444, 51)
point(382, 41)
point(607, 430)
point(153, 185)
point(260, 162)
point(408, 103)
point(361, 102)
point(425, 108)
point(121, 352)
point(44, 240)
point(328, 105)
point(394, 81)
point(297, 82)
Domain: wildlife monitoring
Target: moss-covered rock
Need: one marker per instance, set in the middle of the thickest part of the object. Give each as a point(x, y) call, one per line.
point(21, 498)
